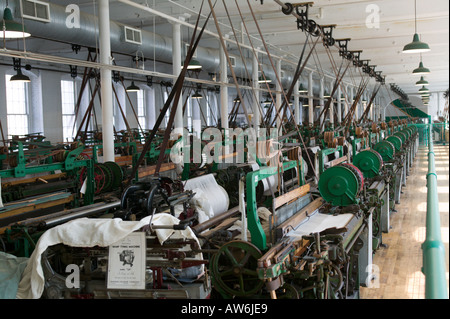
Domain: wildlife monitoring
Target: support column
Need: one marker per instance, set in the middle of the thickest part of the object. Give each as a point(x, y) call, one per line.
point(223, 89)
point(351, 99)
point(331, 112)
point(310, 99)
point(176, 69)
point(346, 103)
point(339, 105)
point(297, 118)
point(278, 89)
point(106, 82)
point(321, 94)
point(256, 105)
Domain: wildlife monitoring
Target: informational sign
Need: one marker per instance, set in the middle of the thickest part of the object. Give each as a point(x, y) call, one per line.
point(126, 263)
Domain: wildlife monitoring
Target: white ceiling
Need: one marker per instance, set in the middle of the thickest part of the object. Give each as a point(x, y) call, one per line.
point(381, 45)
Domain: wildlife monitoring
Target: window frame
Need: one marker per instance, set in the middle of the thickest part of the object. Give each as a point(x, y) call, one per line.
point(72, 114)
point(26, 102)
point(25, 16)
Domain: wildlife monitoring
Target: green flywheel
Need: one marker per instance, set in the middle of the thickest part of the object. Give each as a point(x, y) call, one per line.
point(339, 185)
point(402, 136)
point(407, 132)
point(369, 163)
point(386, 149)
point(396, 141)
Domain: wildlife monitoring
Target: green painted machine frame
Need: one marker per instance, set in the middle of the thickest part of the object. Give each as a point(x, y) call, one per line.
point(71, 163)
point(258, 236)
point(325, 152)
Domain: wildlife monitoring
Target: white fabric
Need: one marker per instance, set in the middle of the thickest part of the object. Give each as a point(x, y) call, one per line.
point(319, 222)
point(210, 198)
point(88, 232)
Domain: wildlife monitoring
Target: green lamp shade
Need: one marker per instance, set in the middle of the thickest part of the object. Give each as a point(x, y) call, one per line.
point(326, 95)
point(133, 88)
point(11, 28)
point(342, 97)
point(19, 77)
point(421, 70)
point(422, 82)
point(262, 79)
point(302, 89)
point(423, 90)
point(193, 65)
point(416, 46)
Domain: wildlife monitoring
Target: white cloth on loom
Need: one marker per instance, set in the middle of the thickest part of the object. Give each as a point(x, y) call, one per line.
point(90, 232)
point(319, 222)
point(210, 198)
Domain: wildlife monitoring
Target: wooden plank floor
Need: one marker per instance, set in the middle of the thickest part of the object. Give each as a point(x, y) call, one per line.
point(400, 263)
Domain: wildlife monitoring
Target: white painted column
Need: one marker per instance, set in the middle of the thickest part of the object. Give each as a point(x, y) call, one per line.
point(351, 98)
point(321, 93)
point(310, 99)
point(346, 103)
point(297, 114)
point(339, 105)
point(106, 82)
point(223, 89)
point(256, 104)
point(331, 112)
point(176, 69)
point(278, 89)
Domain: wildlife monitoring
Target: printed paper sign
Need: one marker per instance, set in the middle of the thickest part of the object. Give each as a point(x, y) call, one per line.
point(126, 263)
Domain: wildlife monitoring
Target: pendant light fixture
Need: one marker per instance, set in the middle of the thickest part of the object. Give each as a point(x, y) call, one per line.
point(416, 46)
point(193, 65)
point(12, 29)
point(19, 77)
point(421, 70)
point(197, 95)
point(264, 79)
point(422, 82)
point(133, 88)
point(302, 89)
point(424, 90)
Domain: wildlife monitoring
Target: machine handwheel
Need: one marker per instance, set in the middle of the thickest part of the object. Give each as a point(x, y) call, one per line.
point(233, 269)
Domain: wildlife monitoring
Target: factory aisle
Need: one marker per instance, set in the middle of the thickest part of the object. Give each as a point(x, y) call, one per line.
point(400, 262)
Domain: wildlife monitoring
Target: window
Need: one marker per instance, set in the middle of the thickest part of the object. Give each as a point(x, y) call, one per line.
point(233, 61)
point(35, 10)
point(16, 107)
point(141, 108)
point(68, 100)
point(132, 35)
point(194, 56)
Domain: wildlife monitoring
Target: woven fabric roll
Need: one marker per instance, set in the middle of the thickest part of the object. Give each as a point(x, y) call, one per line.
point(210, 198)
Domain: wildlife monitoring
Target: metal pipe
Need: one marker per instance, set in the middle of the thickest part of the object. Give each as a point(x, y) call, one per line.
point(80, 212)
point(434, 267)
